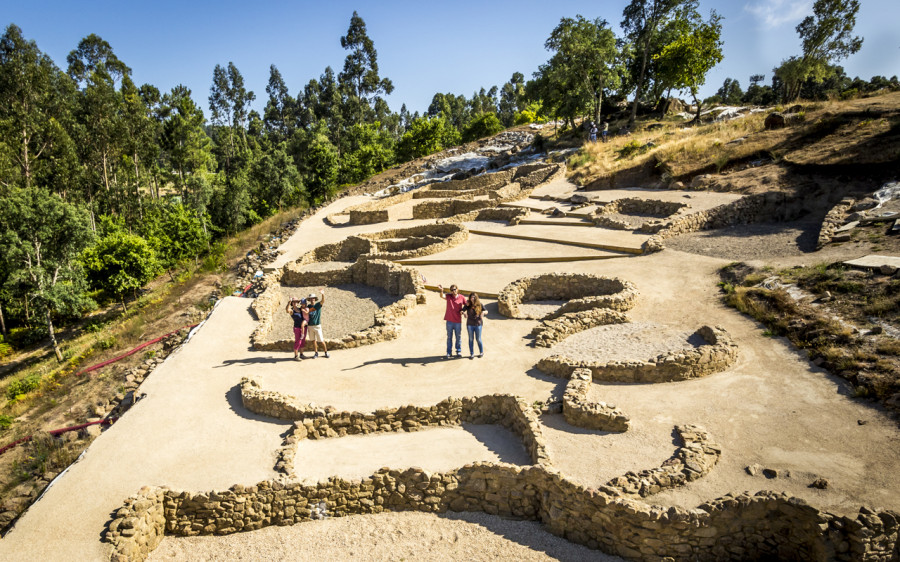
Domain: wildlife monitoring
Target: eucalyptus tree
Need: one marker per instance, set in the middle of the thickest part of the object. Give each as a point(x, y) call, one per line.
point(512, 96)
point(827, 38)
point(280, 112)
point(42, 236)
point(93, 53)
point(641, 21)
point(360, 71)
point(35, 110)
point(229, 105)
point(186, 146)
point(690, 57)
point(585, 56)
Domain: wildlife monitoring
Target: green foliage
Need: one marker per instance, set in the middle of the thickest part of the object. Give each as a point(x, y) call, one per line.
point(175, 232)
point(583, 65)
point(23, 386)
point(371, 151)
point(484, 126)
point(632, 148)
point(5, 349)
point(686, 61)
point(5, 421)
point(215, 259)
point(426, 136)
point(322, 165)
point(120, 263)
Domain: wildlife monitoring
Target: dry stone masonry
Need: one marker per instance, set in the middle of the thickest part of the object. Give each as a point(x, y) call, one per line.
point(766, 525)
point(393, 278)
point(638, 207)
point(583, 292)
point(590, 415)
point(719, 354)
point(312, 422)
point(746, 210)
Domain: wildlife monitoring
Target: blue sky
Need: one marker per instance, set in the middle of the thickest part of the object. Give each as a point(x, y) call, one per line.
point(423, 47)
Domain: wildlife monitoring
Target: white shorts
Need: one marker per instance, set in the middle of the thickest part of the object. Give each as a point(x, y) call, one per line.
point(315, 333)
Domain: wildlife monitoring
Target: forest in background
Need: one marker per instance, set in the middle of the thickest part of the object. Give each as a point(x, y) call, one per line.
point(105, 184)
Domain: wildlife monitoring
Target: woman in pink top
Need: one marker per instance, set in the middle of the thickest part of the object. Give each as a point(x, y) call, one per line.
point(453, 316)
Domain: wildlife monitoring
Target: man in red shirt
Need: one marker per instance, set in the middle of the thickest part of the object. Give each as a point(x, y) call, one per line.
point(453, 316)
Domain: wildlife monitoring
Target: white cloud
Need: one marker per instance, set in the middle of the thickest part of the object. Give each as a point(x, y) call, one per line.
point(773, 13)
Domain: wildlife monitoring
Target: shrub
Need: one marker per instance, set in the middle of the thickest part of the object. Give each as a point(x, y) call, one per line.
point(485, 125)
point(5, 421)
point(632, 148)
point(23, 386)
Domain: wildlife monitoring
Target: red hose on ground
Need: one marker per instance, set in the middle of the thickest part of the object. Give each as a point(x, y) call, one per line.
point(131, 352)
point(244, 292)
point(108, 421)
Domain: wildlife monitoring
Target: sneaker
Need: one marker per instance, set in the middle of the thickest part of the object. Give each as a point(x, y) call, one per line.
point(481, 354)
point(471, 357)
point(448, 356)
point(326, 355)
point(316, 354)
point(458, 355)
point(296, 358)
point(302, 356)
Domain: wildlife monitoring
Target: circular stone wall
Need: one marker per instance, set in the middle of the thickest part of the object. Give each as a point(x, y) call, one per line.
point(580, 292)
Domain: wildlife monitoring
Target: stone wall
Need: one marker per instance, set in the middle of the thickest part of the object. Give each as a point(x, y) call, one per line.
point(314, 422)
point(530, 176)
point(579, 412)
point(449, 207)
point(392, 244)
point(512, 215)
point(372, 212)
point(635, 206)
point(395, 279)
point(747, 210)
point(581, 291)
point(484, 181)
point(834, 219)
point(138, 526)
point(766, 525)
point(550, 332)
point(720, 353)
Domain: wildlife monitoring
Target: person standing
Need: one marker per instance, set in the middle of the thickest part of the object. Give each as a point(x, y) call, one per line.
point(300, 315)
point(593, 137)
point(453, 317)
point(315, 322)
point(475, 314)
point(605, 131)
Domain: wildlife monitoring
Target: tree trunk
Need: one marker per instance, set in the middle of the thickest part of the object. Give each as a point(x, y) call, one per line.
point(2, 321)
point(640, 84)
point(56, 350)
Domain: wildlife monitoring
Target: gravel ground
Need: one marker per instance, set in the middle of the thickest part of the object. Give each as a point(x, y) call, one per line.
point(386, 536)
point(347, 309)
point(751, 241)
point(539, 309)
point(636, 341)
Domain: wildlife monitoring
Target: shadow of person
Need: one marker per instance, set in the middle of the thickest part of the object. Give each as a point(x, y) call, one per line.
point(402, 361)
point(246, 361)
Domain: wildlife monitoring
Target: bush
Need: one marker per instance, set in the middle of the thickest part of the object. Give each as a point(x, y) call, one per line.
point(23, 386)
point(483, 126)
point(5, 421)
point(632, 148)
point(5, 349)
point(120, 263)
